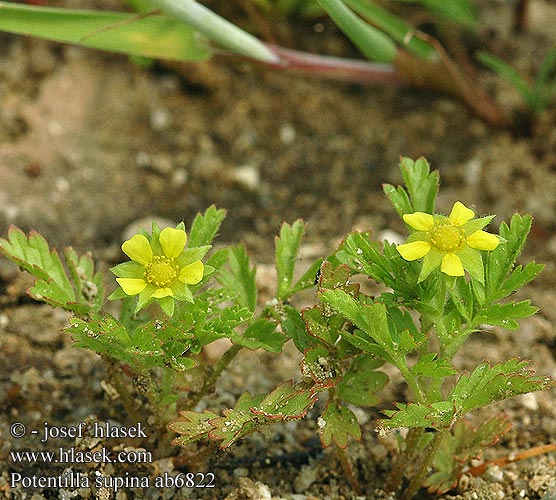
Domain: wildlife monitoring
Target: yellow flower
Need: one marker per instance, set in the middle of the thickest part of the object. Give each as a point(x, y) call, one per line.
point(452, 242)
point(161, 268)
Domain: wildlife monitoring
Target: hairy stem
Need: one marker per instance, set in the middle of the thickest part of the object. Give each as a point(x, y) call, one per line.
point(213, 376)
point(426, 465)
point(395, 477)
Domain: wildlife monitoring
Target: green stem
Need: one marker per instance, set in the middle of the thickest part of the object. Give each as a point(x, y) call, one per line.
point(213, 376)
point(418, 393)
point(396, 474)
point(426, 465)
point(217, 28)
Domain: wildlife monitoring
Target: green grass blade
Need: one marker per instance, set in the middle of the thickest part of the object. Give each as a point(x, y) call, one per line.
point(372, 43)
point(513, 76)
point(460, 11)
point(217, 28)
point(155, 36)
point(398, 29)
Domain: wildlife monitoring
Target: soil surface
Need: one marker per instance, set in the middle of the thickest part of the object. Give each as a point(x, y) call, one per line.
point(90, 144)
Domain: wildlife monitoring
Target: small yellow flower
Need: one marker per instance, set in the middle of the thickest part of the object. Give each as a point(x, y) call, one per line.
point(452, 242)
point(161, 268)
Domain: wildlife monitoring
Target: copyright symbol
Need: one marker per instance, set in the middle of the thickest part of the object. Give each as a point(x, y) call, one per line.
point(17, 430)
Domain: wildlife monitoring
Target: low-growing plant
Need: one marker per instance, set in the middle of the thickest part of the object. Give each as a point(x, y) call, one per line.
point(448, 280)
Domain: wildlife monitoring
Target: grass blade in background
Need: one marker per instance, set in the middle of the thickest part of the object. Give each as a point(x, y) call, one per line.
point(373, 44)
point(155, 36)
point(392, 25)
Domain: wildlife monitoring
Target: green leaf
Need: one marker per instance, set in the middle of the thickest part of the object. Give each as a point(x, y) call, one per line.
point(484, 386)
point(205, 227)
point(505, 315)
point(371, 319)
point(155, 343)
point(337, 424)
point(192, 426)
point(428, 366)
point(323, 327)
point(385, 265)
point(399, 199)
point(489, 384)
point(156, 36)
point(435, 415)
point(287, 248)
point(500, 280)
point(362, 381)
point(422, 184)
point(293, 327)
point(239, 279)
point(284, 403)
point(261, 334)
point(82, 293)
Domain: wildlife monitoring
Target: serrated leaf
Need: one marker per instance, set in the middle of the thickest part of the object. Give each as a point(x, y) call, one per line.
point(371, 319)
point(239, 278)
point(484, 386)
point(428, 366)
point(324, 328)
point(500, 262)
point(293, 327)
point(286, 402)
point(155, 343)
point(251, 413)
point(192, 426)
point(399, 199)
point(261, 334)
point(422, 184)
point(489, 384)
point(362, 381)
point(337, 424)
point(505, 315)
point(83, 293)
point(381, 262)
point(235, 423)
point(287, 248)
point(205, 227)
point(435, 415)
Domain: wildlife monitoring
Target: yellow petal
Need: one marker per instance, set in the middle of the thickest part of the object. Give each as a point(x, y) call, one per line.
point(138, 249)
point(132, 286)
point(160, 293)
point(451, 265)
point(419, 220)
point(481, 240)
point(172, 241)
point(460, 214)
point(414, 250)
point(192, 273)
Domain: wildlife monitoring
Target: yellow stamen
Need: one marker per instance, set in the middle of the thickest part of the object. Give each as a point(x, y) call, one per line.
point(446, 237)
point(161, 272)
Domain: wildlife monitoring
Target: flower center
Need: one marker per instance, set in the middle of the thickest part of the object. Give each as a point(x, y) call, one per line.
point(446, 237)
point(161, 272)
